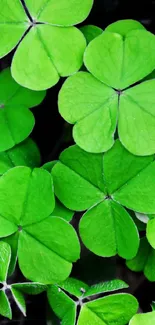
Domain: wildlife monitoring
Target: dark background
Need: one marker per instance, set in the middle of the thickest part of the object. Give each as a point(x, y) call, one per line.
point(52, 135)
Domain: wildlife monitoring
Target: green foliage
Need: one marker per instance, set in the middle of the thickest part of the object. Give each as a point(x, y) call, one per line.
point(50, 46)
point(123, 27)
point(16, 289)
point(143, 319)
point(99, 100)
point(24, 154)
point(120, 179)
point(144, 260)
point(97, 311)
point(109, 181)
point(16, 120)
point(26, 203)
point(90, 32)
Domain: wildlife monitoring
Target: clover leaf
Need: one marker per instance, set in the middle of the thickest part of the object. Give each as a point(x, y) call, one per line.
point(24, 154)
point(68, 296)
point(98, 101)
point(144, 260)
point(26, 204)
point(102, 184)
point(124, 26)
point(16, 120)
point(60, 210)
point(16, 289)
point(49, 44)
point(90, 32)
point(143, 319)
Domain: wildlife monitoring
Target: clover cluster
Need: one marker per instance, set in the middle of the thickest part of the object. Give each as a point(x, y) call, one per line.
point(108, 175)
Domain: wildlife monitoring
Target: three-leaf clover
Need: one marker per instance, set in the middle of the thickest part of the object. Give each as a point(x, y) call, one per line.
point(99, 101)
point(46, 245)
point(102, 184)
point(68, 296)
point(144, 260)
point(49, 44)
point(143, 319)
point(16, 120)
point(24, 154)
point(17, 289)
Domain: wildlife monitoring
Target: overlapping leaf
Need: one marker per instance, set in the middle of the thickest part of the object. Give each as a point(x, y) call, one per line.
point(16, 120)
point(50, 47)
point(16, 289)
point(90, 32)
point(103, 184)
point(107, 310)
point(143, 319)
point(24, 154)
point(26, 203)
point(99, 100)
point(144, 260)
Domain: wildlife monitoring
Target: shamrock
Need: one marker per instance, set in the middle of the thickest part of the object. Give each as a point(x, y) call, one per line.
point(102, 99)
point(49, 44)
point(60, 210)
point(16, 120)
point(143, 319)
point(144, 260)
point(24, 154)
point(103, 184)
point(46, 245)
point(16, 289)
point(113, 309)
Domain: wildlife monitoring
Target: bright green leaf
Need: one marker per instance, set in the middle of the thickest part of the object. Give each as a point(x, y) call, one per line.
point(60, 57)
point(25, 195)
point(13, 242)
point(112, 236)
point(59, 301)
point(74, 287)
point(105, 287)
point(124, 66)
point(13, 24)
point(110, 310)
point(60, 13)
point(5, 309)
point(96, 101)
point(26, 202)
point(123, 27)
point(138, 193)
point(70, 317)
point(120, 166)
point(16, 120)
point(49, 165)
point(143, 319)
point(5, 256)
point(61, 211)
point(24, 154)
point(144, 260)
point(150, 232)
point(102, 183)
point(52, 46)
point(138, 104)
point(19, 300)
point(90, 32)
point(30, 288)
point(80, 188)
point(54, 243)
point(85, 102)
